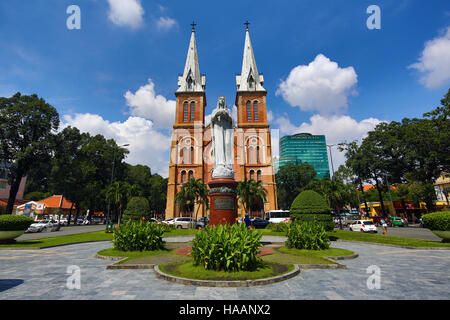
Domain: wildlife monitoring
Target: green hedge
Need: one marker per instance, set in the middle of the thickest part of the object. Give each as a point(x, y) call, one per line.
point(227, 248)
point(138, 236)
point(307, 235)
point(439, 221)
point(12, 222)
point(311, 206)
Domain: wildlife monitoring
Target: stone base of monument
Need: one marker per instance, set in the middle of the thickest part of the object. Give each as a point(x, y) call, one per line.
point(223, 201)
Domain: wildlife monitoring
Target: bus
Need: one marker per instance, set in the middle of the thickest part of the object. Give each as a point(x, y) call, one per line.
point(277, 216)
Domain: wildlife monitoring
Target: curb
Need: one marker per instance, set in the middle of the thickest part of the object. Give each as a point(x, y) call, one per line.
point(109, 258)
point(322, 266)
point(130, 266)
point(396, 246)
point(227, 284)
point(353, 256)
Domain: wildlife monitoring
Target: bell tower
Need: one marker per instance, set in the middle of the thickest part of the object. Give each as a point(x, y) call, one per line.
point(186, 156)
point(253, 139)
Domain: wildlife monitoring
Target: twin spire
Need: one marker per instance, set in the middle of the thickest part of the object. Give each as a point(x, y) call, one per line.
point(193, 81)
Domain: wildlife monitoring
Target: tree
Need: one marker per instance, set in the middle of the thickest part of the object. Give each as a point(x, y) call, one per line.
point(137, 208)
point(193, 192)
point(250, 192)
point(291, 179)
point(119, 193)
point(27, 124)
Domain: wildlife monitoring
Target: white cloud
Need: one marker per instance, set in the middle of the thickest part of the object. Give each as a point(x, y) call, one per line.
point(321, 86)
point(126, 13)
point(434, 64)
point(165, 24)
point(147, 145)
point(336, 129)
point(145, 103)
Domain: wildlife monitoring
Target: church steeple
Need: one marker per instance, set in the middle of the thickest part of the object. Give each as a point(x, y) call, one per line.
point(249, 79)
point(192, 80)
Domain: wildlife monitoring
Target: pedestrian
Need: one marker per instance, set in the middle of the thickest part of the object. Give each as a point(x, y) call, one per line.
point(384, 224)
point(247, 221)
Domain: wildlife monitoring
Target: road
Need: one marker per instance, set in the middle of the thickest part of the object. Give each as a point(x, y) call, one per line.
point(64, 231)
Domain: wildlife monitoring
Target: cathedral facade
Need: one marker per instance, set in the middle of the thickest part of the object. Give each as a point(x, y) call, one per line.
point(191, 147)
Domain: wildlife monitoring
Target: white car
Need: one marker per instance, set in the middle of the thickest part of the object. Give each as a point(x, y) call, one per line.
point(63, 221)
point(184, 223)
point(169, 221)
point(363, 226)
point(41, 226)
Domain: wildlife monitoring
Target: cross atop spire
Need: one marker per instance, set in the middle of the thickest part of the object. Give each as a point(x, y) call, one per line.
point(193, 24)
point(246, 24)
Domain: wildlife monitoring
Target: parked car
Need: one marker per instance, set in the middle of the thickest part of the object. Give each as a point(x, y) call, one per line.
point(41, 226)
point(184, 223)
point(363, 226)
point(202, 222)
point(169, 221)
point(259, 223)
point(397, 222)
point(63, 221)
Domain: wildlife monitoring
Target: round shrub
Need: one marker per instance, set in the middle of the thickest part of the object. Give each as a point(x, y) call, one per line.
point(439, 221)
point(11, 222)
point(311, 206)
point(307, 235)
point(227, 248)
point(138, 236)
point(137, 208)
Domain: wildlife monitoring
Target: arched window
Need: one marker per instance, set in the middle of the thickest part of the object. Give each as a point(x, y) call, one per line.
point(183, 176)
point(252, 175)
point(182, 155)
point(191, 155)
point(251, 82)
point(259, 175)
point(255, 111)
point(250, 154)
point(186, 112)
point(192, 111)
point(249, 111)
point(191, 174)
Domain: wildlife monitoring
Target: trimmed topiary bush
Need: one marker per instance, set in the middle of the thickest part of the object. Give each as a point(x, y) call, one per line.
point(439, 221)
point(307, 235)
point(12, 222)
point(137, 208)
point(138, 236)
point(311, 206)
point(227, 248)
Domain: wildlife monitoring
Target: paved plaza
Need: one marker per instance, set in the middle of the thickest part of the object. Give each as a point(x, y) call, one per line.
point(405, 274)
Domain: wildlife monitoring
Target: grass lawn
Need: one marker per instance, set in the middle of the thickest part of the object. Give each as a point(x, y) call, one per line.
point(285, 255)
point(188, 270)
point(384, 239)
point(74, 238)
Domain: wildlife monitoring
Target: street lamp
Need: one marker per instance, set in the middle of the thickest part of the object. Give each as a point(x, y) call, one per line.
point(112, 179)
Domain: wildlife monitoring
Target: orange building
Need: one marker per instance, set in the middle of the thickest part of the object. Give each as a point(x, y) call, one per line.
point(191, 149)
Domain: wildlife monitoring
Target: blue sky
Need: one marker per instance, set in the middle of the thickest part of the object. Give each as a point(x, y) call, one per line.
point(348, 78)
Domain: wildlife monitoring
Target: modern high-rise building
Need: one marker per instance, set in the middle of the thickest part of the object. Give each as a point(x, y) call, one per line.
point(305, 147)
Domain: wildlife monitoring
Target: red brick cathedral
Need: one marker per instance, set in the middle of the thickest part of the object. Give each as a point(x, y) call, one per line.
point(192, 150)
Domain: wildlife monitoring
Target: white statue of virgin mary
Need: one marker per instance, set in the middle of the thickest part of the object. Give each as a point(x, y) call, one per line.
point(222, 132)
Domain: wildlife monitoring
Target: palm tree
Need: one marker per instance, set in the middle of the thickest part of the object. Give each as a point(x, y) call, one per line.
point(119, 193)
point(250, 192)
point(193, 192)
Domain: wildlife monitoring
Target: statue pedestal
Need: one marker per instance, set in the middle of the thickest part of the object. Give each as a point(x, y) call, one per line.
point(223, 206)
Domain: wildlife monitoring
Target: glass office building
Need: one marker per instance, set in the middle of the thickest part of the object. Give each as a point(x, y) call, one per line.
point(305, 147)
